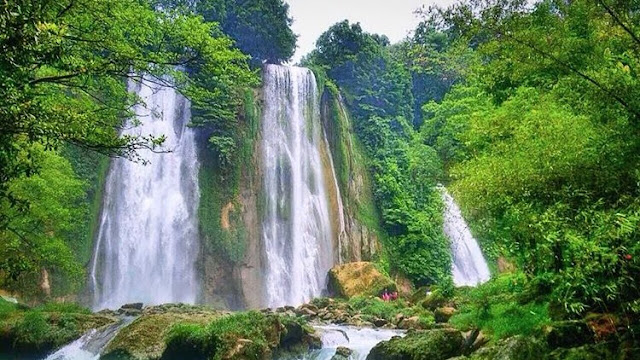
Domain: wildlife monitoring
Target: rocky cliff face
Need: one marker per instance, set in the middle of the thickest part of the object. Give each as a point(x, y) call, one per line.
point(232, 264)
point(233, 270)
point(357, 238)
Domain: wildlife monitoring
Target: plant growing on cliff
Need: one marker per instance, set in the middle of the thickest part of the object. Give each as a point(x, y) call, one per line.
point(377, 89)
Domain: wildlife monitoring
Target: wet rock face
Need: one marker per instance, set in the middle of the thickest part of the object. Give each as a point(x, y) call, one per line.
point(342, 353)
point(358, 279)
point(438, 344)
point(356, 239)
point(133, 306)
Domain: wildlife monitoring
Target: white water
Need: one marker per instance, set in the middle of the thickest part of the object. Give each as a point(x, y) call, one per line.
point(147, 241)
point(75, 350)
point(89, 346)
point(360, 340)
point(469, 266)
point(296, 226)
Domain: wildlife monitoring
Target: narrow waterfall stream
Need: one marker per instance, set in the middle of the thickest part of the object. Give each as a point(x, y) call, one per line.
point(147, 240)
point(89, 346)
point(469, 266)
point(359, 340)
point(296, 226)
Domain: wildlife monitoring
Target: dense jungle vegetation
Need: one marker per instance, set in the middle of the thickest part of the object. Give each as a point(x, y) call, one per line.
point(528, 113)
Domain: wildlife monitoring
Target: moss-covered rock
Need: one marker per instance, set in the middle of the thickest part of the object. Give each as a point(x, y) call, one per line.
point(342, 353)
point(420, 345)
point(34, 333)
point(145, 337)
point(513, 348)
point(443, 314)
point(248, 335)
point(358, 279)
point(434, 300)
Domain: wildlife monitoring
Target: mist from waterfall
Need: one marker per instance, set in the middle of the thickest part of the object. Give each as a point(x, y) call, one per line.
point(469, 266)
point(297, 230)
point(147, 242)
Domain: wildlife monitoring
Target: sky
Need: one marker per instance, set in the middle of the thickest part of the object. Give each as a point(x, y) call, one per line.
point(394, 18)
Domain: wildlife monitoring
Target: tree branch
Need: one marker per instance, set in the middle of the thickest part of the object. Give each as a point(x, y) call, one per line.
point(617, 19)
point(54, 78)
point(573, 69)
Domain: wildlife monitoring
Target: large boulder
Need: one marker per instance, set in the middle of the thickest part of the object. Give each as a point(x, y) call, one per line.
point(438, 344)
point(144, 338)
point(358, 279)
point(434, 300)
point(342, 353)
point(26, 334)
point(443, 314)
point(513, 348)
point(412, 322)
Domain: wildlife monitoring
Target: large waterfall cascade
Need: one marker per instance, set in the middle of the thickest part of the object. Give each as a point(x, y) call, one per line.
point(297, 231)
point(469, 266)
point(147, 241)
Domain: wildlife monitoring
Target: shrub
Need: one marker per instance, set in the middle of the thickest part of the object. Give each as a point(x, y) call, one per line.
point(496, 308)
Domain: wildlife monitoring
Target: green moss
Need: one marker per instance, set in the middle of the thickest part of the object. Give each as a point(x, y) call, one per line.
point(145, 337)
point(428, 345)
point(7, 308)
point(374, 308)
point(247, 335)
point(35, 332)
point(349, 160)
point(220, 186)
point(92, 168)
point(190, 341)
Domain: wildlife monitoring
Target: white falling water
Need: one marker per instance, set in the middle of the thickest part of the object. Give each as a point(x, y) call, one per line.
point(76, 350)
point(359, 340)
point(296, 226)
point(89, 346)
point(147, 240)
point(469, 266)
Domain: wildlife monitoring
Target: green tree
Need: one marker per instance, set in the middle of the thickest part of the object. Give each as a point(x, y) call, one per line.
point(65, 71)
point(541, 142)
point(65, 67)
point(259, 28)
point(378, 91)
point(38, 239)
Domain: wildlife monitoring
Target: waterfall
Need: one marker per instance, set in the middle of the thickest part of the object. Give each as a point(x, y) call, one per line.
point(297, 230)
point(359, 340)
point(91, 344)
point(469, 266)
point(147, 241)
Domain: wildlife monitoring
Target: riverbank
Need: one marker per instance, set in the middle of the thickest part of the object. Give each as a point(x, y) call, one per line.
point(506, 318)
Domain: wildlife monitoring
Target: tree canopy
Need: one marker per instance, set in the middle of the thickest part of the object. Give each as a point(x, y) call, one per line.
point(541, 141)
point(64, 74)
